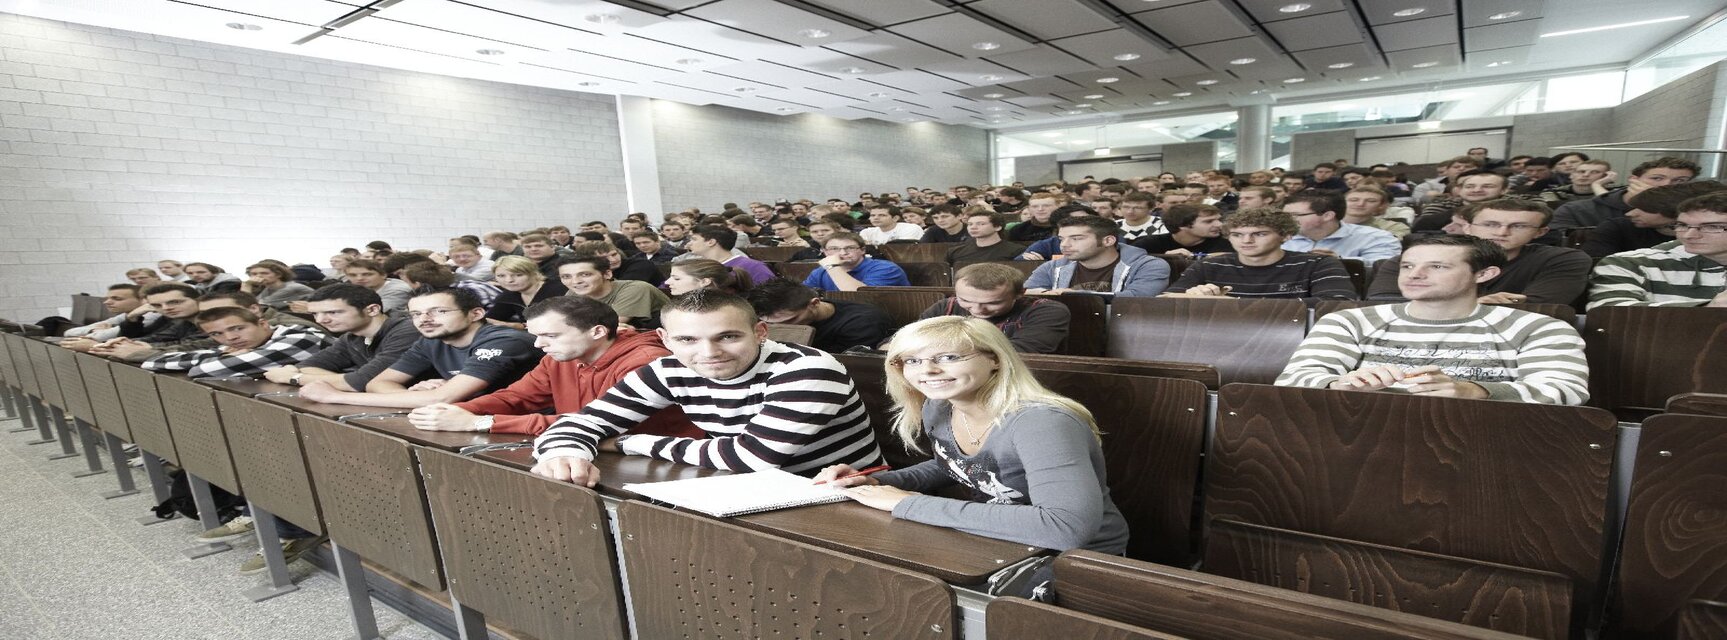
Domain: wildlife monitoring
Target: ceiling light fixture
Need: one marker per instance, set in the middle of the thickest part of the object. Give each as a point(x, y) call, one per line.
point(1082, 105)
point(1160, 103)
point(852, 70)
point(1501, 63)
point(1108, 80)
point(1124, 57)
point(1182, 94)
point(989, 77)
point(1294, 80)
point(1073, 113)
point(815, 34)
point(602, 18)
point(1425, 65)
point(489, 52)
point(241, 26)
point(1412, 11)
point(1369, 79)
point(1206, 82)
point(1244, 61)
point(993, 96)
point(1340, 65)
point(1294, 8)
point(1505, 16)
point(1638, 23)
point(985, 46)
point(1095, 96)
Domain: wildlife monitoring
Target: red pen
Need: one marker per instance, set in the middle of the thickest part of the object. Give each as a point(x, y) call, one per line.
point(861, 472)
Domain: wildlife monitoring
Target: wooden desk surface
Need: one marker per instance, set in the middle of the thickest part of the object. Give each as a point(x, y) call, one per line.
point(327, 410)
point(399, 427)
point(248, 387)
point(847, 527)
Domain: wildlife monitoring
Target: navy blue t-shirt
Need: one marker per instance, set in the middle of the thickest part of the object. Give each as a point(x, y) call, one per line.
point(497, 355)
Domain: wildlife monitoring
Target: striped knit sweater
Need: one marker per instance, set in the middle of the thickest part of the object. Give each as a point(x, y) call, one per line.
point(796, 409)
point(1514, 355)
point(1665, 275)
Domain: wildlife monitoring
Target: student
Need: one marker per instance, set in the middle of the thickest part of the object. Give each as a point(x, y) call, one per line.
point(763, 404)
point(839, 324)
point(1690, 271)
point(702, 273)
point(249, 346)
point(545, 254)
point(1650, 220)
point(985, 243)
point(995, 293)
point(586, 353)
point(273, 285)
point(462, 355)
point(715, 243)
point(120, 300)
point(173, 304)
point(466, 262)
point(1034, 224)
point(1094, 262)
point(886, 226)
point(848, 268)
point(1259, 267)
point(1030, 458)
point(946, 225)
point(622, 268)
point(1197, 230)
point(1136, 219)
point(523, 285)
point(637, 303)
point(1322, 230)
point(425, 275)
point(368, 340)
point(1443, 342)
point(371, 275)
point(1534, 273)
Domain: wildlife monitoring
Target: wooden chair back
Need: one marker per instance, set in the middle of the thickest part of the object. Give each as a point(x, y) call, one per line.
point(1247, 340)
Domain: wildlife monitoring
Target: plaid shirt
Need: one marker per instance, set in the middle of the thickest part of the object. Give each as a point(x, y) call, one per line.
point(287, 345)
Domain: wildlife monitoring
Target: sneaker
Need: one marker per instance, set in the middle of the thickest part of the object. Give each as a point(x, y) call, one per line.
point(291, 551)
point(239, 526)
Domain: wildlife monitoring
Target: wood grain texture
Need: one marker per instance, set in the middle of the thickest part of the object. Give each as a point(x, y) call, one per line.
point(1675, 542)
point(904, 306)
point(104, 396)
point(1018, 618)
point(772, 254)
point(144, 410)
point(796, 271)
point(1510, 483)
point(1087, 325)
point(695, 577)
point(269, 460)
point(532, 554)
point(373, 502)
point(927, 274)
point(1703, 620)
point(791, 333)
point(198, 434)
point(1202, 373)
point(1247, 340)
point(1205, 607)
point(71, 382)
point(855, 530)
point(1359, 275)
point(1702, 404)
point(1641, 356)
point(1481, 594)
point(918, 252)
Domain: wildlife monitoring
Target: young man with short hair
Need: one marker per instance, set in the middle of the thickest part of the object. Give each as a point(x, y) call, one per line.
point(787, 233)
point(208, 278)
point(885, 226)
point(171, 329)
point(367, 340)
point(1690, 271)
point(1198, 230)
point(636, 303)
point(458, 354)
point(622, 267)
point(370, 275)
point(1588, 179)
point(675, 235)
point(1443, 342)
point(1258, 198)
point(1094, 261)
point(619, 240)
point(650, 247)
point(1034, 223)
point(847, 268)
point(985, 243)
point(1467, 188)
point(426, 275)
point(995, 293)
point(249, 302)
point(839, 324)
point(820, 230)
point(544, 253)
point(171, 270)
point(1592, 212)
point(467, 263)
point(1323, 231)
point(1533, 272)
point(120, 300)
point(1259, 267)
point(249, 346)
point(715, 243)
point(1650, 220)
point(586, 353)
point(1324, 176)
point(502, 243)
point(1136, 220)
point(763, 404)
point(1366, 206)
point(946, 225)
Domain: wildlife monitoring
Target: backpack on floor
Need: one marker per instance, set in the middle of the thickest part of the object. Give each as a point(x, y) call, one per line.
point(180, 501)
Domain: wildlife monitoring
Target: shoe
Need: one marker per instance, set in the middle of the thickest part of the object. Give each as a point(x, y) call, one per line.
point(291, 551)
point(239, 526)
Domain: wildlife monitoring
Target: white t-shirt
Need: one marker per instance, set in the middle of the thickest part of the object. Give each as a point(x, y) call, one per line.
point(901, 231)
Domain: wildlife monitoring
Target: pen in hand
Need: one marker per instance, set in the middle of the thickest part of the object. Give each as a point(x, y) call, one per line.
point(860, 472)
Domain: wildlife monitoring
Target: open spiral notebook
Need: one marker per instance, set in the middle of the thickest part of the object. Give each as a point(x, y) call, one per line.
point(740, 493)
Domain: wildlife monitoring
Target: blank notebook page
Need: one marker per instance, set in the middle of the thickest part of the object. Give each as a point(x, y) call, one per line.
point(740, 493)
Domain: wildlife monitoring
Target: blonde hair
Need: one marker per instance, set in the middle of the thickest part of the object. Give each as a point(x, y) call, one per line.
point(520, 266)
point(1010, 389)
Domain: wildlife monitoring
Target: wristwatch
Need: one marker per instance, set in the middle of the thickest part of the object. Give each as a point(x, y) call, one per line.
point(483, 423)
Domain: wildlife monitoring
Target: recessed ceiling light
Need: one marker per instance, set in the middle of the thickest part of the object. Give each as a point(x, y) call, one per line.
point(1095, 96)
point(1294, 80)
point(1124, 57)
point(743, 89)
point(1244, 61)
point(1073, 113)
point(1505, 16)
point(989, 77)
point(1082, 105)
point(687, 61)
point(1369, 79)
point(1501, 63)
point(1255, 92)
point(242, 26)
point(602, 18)
point(1424, 65)
point(1340, 65)
point(1294, 8)
point(587, 84)
point(489, 52)
point(985, 46)
point(1182, 94)
point(1108, 80)
point(993, 96)
point(815, 34)
point(1412, 11)
point(1160, 103)
point(1638, 23)
point(852, 70)
point(1206, 83)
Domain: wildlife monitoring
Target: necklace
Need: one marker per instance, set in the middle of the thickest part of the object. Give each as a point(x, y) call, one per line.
point(970, 439)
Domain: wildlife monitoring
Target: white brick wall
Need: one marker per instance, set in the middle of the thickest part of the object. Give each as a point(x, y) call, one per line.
point(712, 155)
point(118, 149)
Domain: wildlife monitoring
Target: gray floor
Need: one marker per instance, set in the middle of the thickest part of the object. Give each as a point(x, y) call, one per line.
point(73, 565)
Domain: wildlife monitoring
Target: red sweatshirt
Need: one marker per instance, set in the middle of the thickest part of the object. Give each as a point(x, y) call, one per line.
point(566, 387)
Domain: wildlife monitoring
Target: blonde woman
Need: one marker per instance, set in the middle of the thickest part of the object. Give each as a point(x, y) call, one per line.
point(702, 273)
point(523, 285)
point(1030, 457)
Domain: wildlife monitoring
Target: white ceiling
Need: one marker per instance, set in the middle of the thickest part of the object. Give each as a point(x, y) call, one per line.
point(988, 63)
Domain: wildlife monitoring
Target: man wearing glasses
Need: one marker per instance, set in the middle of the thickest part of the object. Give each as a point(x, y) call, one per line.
point(1323, 231)
point(1533, 273)
point(847, 268)
point(1690, 271)
point(459, 356)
